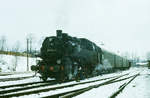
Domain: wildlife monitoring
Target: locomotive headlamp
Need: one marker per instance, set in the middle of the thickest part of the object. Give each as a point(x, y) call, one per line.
point(58, 61)
point(51, 68)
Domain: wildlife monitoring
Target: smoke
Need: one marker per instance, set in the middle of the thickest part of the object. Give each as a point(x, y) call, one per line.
point(63, 14)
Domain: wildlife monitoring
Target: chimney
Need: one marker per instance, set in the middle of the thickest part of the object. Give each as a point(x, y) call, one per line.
point(59, 33)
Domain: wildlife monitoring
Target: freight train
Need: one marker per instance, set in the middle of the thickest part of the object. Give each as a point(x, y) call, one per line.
point(66, 58)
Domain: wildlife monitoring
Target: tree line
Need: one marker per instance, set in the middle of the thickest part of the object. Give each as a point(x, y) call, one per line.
point(33, 46)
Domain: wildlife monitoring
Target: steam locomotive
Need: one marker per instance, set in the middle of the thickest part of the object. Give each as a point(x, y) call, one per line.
point(66, 58)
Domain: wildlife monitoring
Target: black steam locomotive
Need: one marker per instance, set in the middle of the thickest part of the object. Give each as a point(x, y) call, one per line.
point(66, 58)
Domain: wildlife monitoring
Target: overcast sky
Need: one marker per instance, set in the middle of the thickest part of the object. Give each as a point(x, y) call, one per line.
point(122, 25)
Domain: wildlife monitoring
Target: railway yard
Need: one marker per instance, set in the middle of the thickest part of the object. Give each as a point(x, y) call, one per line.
point(74, 49)
point(132, 83)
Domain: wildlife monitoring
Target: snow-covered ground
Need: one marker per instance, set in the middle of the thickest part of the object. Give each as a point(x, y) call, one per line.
point(138, 88)
point(28, 80)
point(8, 63)
point(102, 92)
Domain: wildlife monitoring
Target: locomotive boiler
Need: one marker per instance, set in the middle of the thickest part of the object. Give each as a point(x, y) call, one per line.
point(66, 58)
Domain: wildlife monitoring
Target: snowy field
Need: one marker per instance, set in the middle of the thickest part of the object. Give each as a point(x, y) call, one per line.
point(9, 63)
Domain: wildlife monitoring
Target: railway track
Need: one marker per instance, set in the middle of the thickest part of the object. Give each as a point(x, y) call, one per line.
point(12, 73)
point(76, 92)
point(22, 84)
point(5, 74)
point(35, 89)
point(122, 87)
point(26, 86)
point(14, 79)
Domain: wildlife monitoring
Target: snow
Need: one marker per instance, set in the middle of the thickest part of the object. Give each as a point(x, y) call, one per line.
point(27, 80)
point(112, 86)
point(107, 90)
point(52, 92)
point(142, 64)
point(7, 63)
point(18, 75)
point(138, 88)
point(102, 92)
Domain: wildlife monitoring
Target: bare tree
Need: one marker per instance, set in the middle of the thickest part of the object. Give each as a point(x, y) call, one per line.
point(30, 37)
point(16, 50)
point(3, 45)
point(16, 47)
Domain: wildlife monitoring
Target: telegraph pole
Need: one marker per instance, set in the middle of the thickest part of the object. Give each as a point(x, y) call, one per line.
point(27, 54)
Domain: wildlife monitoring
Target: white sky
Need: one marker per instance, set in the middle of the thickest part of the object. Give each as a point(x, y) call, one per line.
point(123, 25)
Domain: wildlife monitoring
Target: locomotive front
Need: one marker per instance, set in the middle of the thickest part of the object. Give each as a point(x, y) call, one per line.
point(55, 55)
